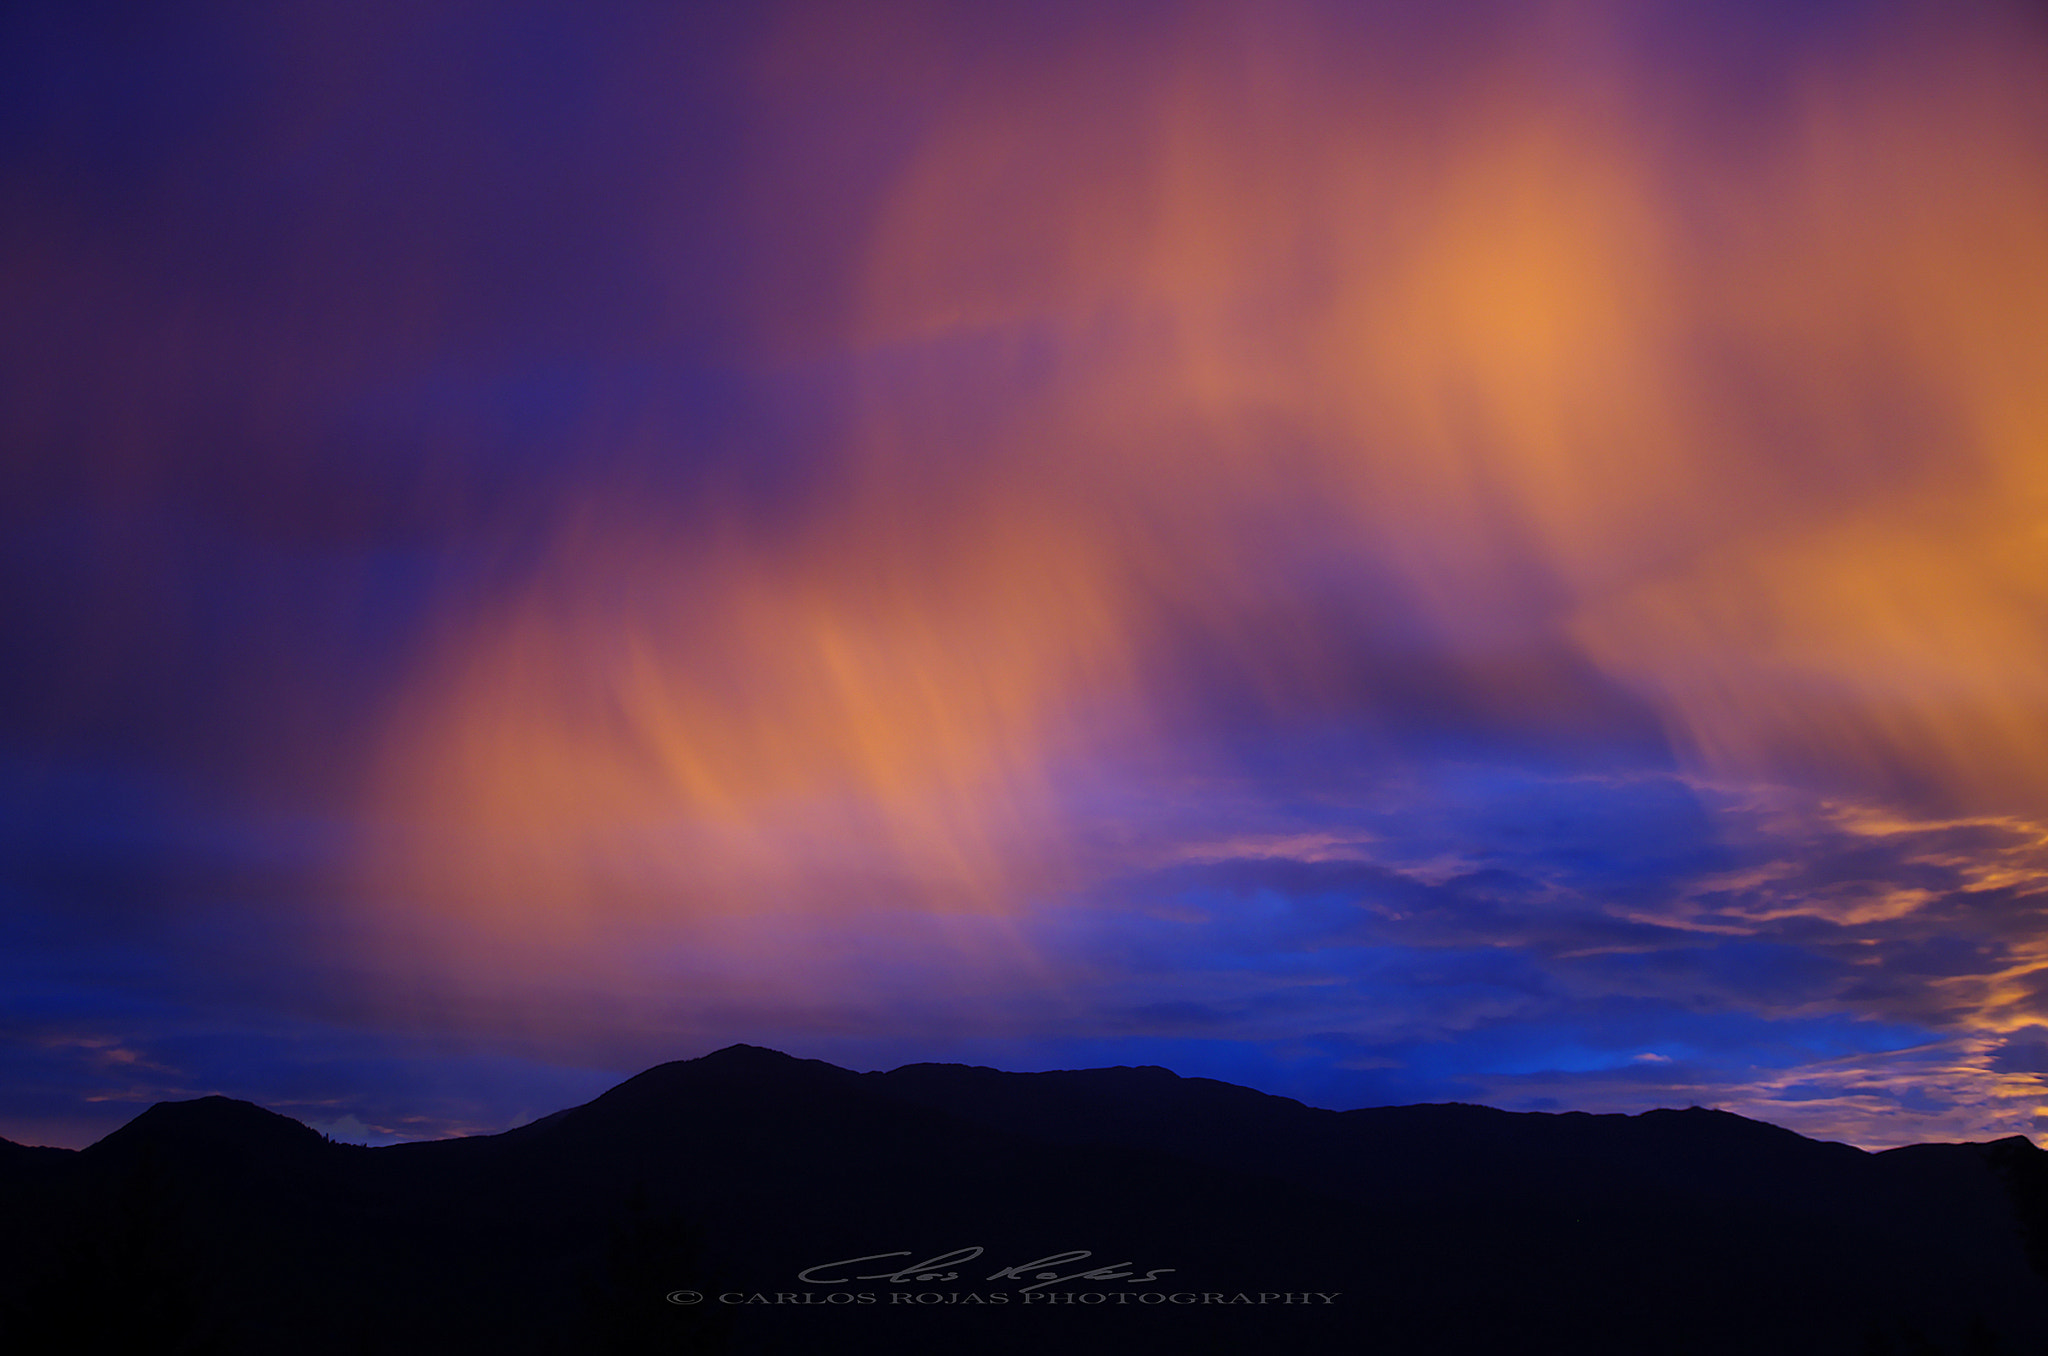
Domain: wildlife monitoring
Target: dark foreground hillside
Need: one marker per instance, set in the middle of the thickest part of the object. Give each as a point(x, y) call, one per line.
point(721, 1204)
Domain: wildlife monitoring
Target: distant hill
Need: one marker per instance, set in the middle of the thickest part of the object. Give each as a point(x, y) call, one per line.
point(1215, 1219)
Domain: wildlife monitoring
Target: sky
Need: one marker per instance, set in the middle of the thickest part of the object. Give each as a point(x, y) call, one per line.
point(1490, 552)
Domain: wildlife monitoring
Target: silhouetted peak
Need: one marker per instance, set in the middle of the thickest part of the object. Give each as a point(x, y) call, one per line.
point(710, 1083)
point(211, 1124)
point(733, 1061)
point(747, 1056)
point(751, 1062)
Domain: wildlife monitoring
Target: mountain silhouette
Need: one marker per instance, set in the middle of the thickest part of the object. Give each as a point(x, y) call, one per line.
point(1102, 1210)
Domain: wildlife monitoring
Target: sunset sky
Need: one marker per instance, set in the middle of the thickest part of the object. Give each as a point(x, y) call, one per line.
point(1490, 551)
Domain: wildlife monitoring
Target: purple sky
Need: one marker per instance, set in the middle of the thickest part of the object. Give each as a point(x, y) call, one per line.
point(1490, 557)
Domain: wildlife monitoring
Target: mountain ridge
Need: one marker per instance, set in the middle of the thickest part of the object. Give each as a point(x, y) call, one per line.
point(742, 1056)
point(1442, 1228)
